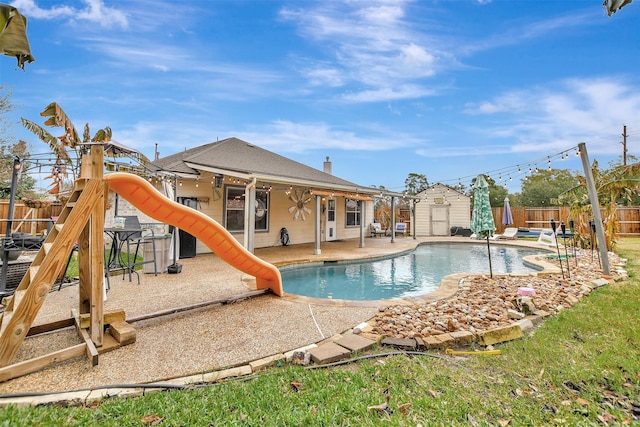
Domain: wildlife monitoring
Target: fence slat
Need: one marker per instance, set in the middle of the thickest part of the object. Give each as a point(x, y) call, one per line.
point(34, 220)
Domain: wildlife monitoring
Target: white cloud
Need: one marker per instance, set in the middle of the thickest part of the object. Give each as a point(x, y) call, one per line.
point(372, 45)
point(94, 11)
point(557, 116)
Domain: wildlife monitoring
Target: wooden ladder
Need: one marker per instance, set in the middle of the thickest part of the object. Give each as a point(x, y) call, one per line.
point(81, 221)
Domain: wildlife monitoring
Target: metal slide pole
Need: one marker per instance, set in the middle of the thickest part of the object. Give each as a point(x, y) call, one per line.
point(593, 198)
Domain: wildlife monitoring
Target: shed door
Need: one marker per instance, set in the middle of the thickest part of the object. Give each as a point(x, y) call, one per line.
point(440, 220)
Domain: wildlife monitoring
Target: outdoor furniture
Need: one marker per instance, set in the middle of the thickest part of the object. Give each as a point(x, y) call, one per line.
point(401, 228)
point(547, 237)
point(16, 270)
point(376, 229)
point(510, 233)
point(125, 247)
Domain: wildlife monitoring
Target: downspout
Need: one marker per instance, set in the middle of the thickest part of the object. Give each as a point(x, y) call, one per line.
point(250, 215)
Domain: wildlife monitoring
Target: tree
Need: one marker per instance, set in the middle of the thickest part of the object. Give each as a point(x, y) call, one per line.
point(619, 183)
point(9, 150)
point(60, 145)
point(382, 209)
point(415, 183)
point(543, 187)
point(26, 183)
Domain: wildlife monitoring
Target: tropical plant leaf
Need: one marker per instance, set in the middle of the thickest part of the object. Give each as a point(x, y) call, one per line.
point(103, 135)
point(46, 137)
point(57, 117)
point(13, 35)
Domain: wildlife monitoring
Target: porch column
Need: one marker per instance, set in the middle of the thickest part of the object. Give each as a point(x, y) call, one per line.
point(316, 250)
point(413, 203)
point(393, 219)
point(250, 216)
point(363, 217)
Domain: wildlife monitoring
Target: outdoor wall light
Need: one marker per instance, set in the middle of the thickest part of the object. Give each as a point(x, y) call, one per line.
point(218, 180)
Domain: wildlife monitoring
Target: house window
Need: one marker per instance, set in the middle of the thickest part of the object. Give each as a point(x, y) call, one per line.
point(353, 210)
point(234, 209)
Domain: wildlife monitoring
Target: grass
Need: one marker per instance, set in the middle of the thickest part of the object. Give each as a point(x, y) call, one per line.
point(73, 268)
point(581, 367)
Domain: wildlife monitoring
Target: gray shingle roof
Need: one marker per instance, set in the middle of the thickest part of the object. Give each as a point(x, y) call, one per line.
point(237, 156)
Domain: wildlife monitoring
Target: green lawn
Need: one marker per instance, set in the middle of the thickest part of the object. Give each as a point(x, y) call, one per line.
point(581, 367)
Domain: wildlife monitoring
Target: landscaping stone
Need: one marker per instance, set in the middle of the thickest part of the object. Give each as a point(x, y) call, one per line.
point(328, 353)
point(599, 282)
point(494, 336)
point(289, 354)
point(484, 304)
point(514, 314)
point(355, 343)
point(401, 343)
point(362, 327)
point(256, 365)
point(526, 325)
point(462, 337)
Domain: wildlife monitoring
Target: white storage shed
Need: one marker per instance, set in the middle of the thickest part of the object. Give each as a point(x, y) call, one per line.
point(442, 211)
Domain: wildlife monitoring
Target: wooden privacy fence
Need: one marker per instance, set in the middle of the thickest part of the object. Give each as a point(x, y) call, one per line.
point(628, 218)
point(31, 220)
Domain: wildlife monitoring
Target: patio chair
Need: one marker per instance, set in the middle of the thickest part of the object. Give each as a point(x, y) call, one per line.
point(135, 239)
point(376, 229)
point(401, 228)
point(509, 233)
point(547, 237)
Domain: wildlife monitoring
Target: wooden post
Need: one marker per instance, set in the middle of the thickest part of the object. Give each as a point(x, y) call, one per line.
point(595, 206)
point(91, 251)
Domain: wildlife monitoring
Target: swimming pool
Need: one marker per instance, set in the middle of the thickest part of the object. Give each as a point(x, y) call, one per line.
point(413, 274)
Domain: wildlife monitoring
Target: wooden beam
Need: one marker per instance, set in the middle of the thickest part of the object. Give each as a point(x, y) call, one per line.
point(91, 350)
point(51, 326)
point(32, 365)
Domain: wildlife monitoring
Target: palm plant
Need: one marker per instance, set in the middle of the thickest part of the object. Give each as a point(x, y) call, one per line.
point(61, 144)
point(614, 186)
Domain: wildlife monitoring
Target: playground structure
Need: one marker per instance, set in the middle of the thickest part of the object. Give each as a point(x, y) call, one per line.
point(82, 221)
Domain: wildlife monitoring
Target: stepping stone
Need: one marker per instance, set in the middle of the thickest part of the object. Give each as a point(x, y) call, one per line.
point(355, 343)
point(328, 352)
point(401, 343)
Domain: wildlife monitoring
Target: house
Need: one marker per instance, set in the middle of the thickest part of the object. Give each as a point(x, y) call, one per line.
point(312, 205)
point(441, 210)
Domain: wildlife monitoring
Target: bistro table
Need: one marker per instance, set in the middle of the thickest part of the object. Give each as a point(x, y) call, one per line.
point(119, 259)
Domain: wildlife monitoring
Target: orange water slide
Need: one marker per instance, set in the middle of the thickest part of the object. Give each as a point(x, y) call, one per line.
point(147, 199)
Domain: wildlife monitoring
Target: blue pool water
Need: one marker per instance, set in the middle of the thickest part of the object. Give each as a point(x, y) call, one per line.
point(413, 274)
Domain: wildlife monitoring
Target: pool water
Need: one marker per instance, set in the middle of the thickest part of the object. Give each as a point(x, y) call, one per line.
point(416, 273)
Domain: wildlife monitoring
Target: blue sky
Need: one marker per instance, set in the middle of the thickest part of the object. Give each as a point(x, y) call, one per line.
point(444, 88)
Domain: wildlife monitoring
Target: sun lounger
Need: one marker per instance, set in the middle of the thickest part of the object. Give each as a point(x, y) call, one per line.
point(510, 233)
